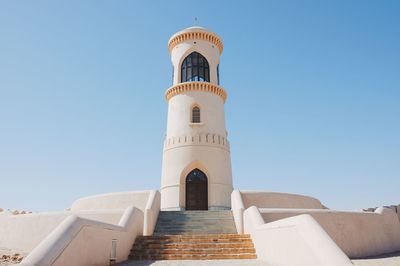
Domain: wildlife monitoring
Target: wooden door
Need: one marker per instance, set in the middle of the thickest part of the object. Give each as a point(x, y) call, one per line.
point(196, 190)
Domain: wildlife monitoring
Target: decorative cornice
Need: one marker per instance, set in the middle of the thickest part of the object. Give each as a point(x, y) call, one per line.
point(196, 35)
point(204, 139)
point(195, 86)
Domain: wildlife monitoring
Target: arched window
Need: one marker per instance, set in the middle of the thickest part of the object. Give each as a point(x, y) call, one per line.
point(196, 114)
point(195, 68)
point(218, 74)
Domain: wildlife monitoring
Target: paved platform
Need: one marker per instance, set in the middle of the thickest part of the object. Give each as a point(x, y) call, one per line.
point(392, 259)
point(194, 262)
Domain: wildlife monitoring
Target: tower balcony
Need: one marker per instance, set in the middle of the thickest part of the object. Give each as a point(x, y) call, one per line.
point(195, 86)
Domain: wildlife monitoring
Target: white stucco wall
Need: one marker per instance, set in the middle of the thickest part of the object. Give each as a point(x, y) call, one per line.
point(358, 234)
point(263, 199)
point(213, 161)
point(24, 232)
point(242, 199)
point(294, 241)
point(179, 114)
point(117, 200)
point(82, 242)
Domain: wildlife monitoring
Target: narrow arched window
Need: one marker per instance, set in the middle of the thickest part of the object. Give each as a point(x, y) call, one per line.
point(195, 114)
point(195, 68)
point(218, 74)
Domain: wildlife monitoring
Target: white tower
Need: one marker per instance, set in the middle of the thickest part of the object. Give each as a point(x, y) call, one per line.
point(196, 167)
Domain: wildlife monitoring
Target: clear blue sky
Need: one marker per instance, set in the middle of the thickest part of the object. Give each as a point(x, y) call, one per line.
point(313, 97)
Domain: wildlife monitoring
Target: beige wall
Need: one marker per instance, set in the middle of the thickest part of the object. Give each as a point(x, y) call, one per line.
point(82, 242)
point(358, 234)
point(25, 232)
point(262, 199)
point(203, 146)
point(211, 114)
point(295, 241)
point(241, 200)
point(213, 161)
point(118, 200)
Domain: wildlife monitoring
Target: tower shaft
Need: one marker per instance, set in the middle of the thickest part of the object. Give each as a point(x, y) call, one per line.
point(196, 167)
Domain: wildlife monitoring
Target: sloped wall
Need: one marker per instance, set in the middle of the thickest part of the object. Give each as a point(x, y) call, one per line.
point(25, 232)
point(294, 241)
point(358, 234)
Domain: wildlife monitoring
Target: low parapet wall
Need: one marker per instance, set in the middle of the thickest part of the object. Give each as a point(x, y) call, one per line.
point(25, 232)
point(358, 234)
point(117, 200)
point(295, 241)
point(241, 200)
point(83, 242)
point(263, 199)
point(147, 201)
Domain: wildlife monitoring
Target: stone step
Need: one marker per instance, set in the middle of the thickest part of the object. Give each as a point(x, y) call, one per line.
point(194, 240)
point(196, 228)
point(194, 257)
point(199, 211)
point(195, 222)
point(179, 245)
point(186, 219)
point(206, 236)
point(194, 235)
point(190, 232)
point(193, 247)
point(197, 215)
point(150, 251)
point(206, 222)
point(205, 214)
point(206, 230)
point(211, 221)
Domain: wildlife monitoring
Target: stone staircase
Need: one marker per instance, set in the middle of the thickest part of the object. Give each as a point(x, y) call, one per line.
point(195, 222)
point(194, 235)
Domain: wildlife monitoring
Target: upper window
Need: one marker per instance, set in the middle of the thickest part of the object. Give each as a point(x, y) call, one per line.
point(195, 68)
point(218, 74)
point(196, 115)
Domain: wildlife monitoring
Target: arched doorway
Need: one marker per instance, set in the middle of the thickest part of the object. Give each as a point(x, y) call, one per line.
point(196, 190)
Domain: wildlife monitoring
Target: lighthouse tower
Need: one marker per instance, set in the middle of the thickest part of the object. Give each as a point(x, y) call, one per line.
point(196, 166)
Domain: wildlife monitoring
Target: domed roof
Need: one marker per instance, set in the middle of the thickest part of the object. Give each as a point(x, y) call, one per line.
point(195, 32)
